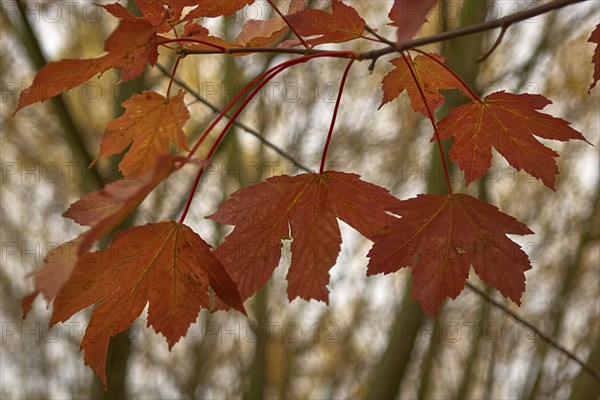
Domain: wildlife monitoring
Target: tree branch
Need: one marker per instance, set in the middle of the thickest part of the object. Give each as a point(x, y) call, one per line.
point(595, 374)
point(503, 23)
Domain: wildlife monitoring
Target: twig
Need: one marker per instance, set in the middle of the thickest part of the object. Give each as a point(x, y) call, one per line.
point(378, 36)
point(595, 374)
point(440, 37)
point(496, 44)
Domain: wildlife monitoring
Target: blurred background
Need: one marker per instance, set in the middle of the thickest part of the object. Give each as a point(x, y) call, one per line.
point(372, 340)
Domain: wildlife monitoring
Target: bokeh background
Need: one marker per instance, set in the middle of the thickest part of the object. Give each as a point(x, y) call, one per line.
point(372, 340)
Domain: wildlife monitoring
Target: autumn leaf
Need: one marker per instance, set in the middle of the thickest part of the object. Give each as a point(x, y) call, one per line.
point(262, 33)
point(129, 47)
point(102, 211)
point(432, 78)
point(408, 16)
point(164, 264)
point(440, 237)
point(199, 32)
point(342, 24)
point(150, 123)
point(212, 8)
point(595, 38)
point(506, 122)
point(164, 14)
point(307, 207)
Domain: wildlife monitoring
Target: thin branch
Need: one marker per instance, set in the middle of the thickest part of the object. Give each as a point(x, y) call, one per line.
point(495, 45)
point(378, 36)
point(595, 374)
point(504, 22)
point(469, 30)
point(241, 125)
point(289, 25)
point(408, 62)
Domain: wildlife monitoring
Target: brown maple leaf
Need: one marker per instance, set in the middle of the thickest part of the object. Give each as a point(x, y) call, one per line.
point(432, 78)
point(150, 123)
point(506, 122)
point(595, 38)
point(342, 24)
point(408, 16)
point(164, 264)
point(440, 237)
point(102, 211)
point(305, 206)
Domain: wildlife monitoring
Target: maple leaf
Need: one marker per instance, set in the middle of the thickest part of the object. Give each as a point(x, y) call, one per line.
point(212, 8)
point(102, 210)
point(408, 16)
point(448, 234)
point(149, 124)
point(342, 24)
point(262, 33)
point(164, 264)
point(432, 78)
point(506, 122)
point(130, 47)
point(307, 206)
point(199, 32)
point(595, 38)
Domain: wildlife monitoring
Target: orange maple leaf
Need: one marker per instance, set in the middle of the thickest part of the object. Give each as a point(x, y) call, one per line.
point(506, 122)
point(150, 123)
point(164, 264)
point(212, 8)
point(307, 206)
point(595, 38)
point(441, 237)
point(102, 210)
point(342, 24)
point(432, 78)
point(130, 47)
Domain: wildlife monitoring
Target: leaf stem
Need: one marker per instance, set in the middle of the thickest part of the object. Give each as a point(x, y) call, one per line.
point(306, 46)
point(334, 116)
point(408, 62)
point(259, 81)
point(173, 77)
point(471, 93)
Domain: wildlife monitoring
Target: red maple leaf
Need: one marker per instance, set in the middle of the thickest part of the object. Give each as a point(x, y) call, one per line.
point(130, 47)
point(164, 264)
point(149, 124)
point(408, 16)
point(305, 206)
point(102, 210)
point(432, 77)
point(440, 237)
point(342, 24)
point(595, 38)
point(506, 122)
